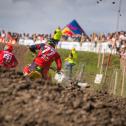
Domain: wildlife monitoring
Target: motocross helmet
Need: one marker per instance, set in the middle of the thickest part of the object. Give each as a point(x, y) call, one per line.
point(8, 47)
point(73, 49)
point(52, 42)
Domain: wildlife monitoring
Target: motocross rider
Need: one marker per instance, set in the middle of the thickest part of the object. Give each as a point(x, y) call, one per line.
point(44, 57)
point(7, 58)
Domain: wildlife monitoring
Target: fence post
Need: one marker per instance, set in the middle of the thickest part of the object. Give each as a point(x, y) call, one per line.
point(81, 73)
point(107, 65)
point(110, 87)
point(123, 81)
point(99, 57)
point(103, 55)
point(115, 84)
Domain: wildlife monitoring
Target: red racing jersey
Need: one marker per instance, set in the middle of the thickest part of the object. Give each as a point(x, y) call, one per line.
point(7, 59)
point(46, 55)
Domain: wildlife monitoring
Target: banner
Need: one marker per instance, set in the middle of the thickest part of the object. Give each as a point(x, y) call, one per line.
point(86, 46)
point(75, 27)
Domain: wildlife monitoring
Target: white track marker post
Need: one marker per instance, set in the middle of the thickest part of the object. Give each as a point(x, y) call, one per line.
point(123, 81)
point(115, 84)
point(98, 78)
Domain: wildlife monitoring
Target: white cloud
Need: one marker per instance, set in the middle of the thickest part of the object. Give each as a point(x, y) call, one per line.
point(45, 15)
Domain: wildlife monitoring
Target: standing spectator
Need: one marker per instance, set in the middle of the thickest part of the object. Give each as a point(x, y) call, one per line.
point(71, 61)
point(3, 35)
point(57, 35)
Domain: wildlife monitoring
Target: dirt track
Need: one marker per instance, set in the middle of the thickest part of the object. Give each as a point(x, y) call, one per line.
point(23, 103)
point(41, 104)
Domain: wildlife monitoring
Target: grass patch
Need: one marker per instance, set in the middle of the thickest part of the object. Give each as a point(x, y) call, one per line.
point(89, 60)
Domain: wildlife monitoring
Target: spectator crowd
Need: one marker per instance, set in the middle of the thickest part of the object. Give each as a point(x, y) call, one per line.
point(117, 40)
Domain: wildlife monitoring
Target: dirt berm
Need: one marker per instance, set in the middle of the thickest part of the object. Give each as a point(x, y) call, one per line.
point(24, 103)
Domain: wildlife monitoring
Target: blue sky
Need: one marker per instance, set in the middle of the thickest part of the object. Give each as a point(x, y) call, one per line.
point(43, 16)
